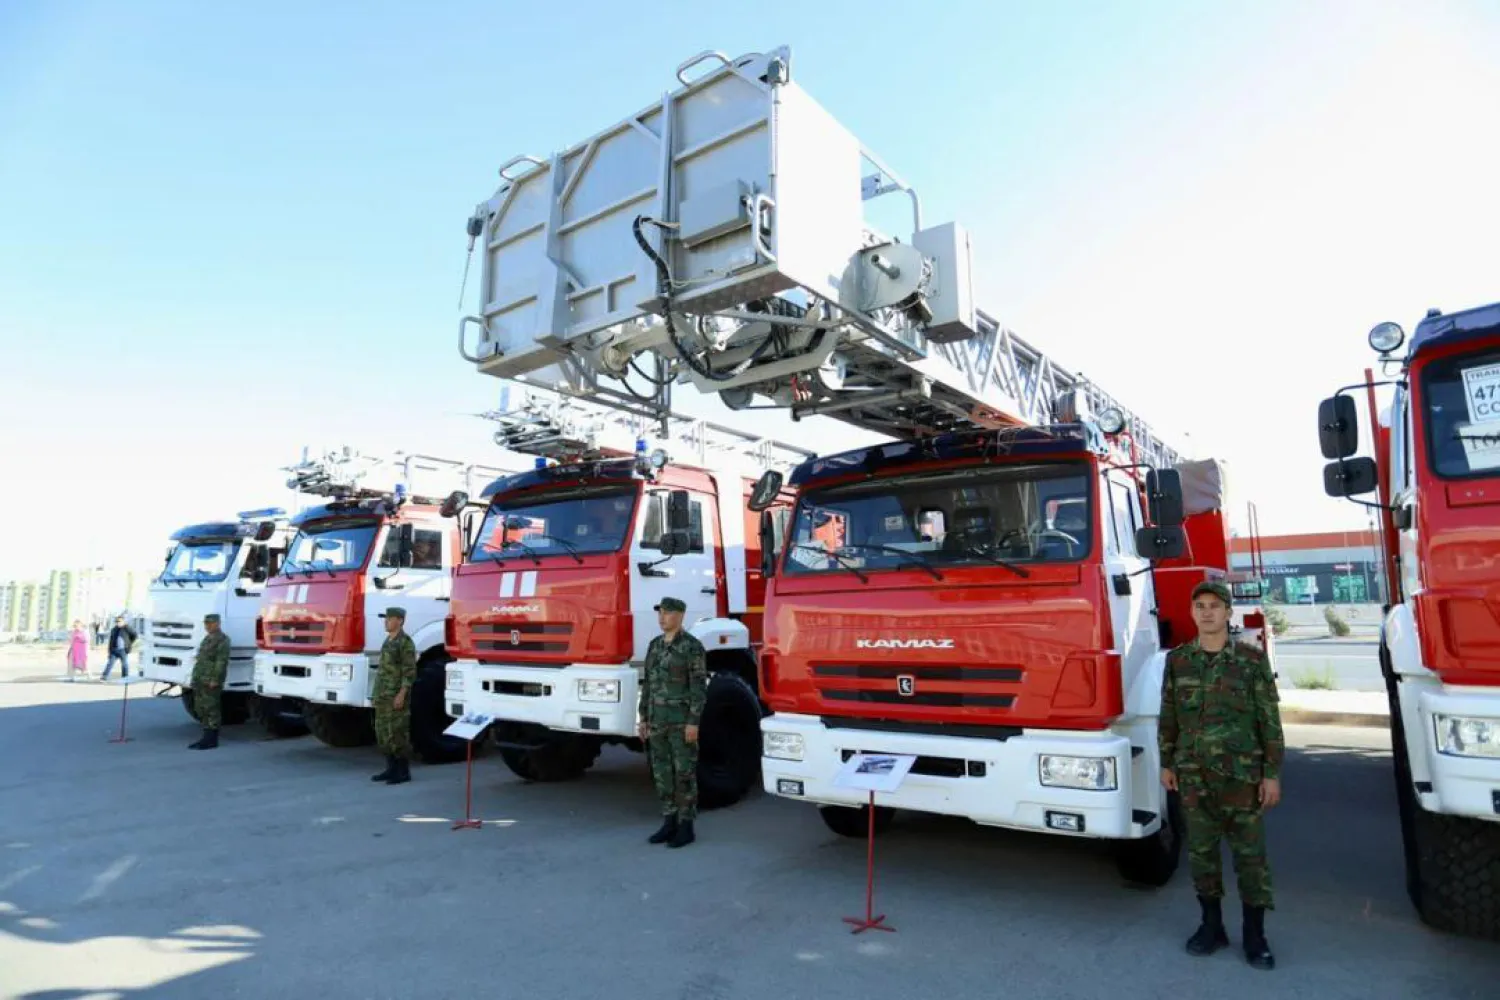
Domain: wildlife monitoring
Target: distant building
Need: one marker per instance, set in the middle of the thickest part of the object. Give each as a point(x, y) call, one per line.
point(1329, 567)
point(53, 603)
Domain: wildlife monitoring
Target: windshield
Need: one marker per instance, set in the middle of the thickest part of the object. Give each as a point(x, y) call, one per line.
point(329, 545)
point(1013, 514)
point(576, 522)
point(200, 562)
point(1462, 396)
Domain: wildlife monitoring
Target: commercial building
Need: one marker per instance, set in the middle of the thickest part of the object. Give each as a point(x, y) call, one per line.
point(1330, 567)
point(51, 604)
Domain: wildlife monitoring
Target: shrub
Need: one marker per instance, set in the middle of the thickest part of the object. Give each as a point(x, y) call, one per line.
point(1336, 625)
point(1314, 680)
point(1276, 618)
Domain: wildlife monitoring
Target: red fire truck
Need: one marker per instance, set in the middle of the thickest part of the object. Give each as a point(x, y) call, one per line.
point(1436, 477)
point(552, 607)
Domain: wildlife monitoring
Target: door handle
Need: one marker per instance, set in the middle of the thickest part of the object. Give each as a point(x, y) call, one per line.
point(710, 590)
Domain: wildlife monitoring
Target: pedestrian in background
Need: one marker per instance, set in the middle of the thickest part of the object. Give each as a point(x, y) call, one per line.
point(674, 685)
point(1221, 747)
point(78, 652)
point(391, 698)
point(121, 639)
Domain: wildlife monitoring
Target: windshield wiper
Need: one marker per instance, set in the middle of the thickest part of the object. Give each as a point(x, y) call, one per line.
point(838, 557)
point(572, 549)
point(509, 542)
point(910, 556)
point(975, 550)
point(327, 567)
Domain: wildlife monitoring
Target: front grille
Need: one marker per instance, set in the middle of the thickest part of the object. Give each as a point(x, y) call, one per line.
point(866, 671)
point(958, 685)
point(172, 633)
point(956, 729)
point(524, 637)
point(941, 699)
point(289, 671)
point(288, 633)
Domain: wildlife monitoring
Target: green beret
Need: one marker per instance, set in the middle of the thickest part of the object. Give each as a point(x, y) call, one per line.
point(395, 612)
point(1214, 587)
point(210, 618)
point(670, 604)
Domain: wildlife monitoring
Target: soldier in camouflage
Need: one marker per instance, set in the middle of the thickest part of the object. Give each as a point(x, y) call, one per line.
point(210, 667)
point(674, 685)
point(392, 698)
point(1221, 749)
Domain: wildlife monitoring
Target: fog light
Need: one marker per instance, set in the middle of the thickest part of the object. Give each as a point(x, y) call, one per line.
point(1096, 774)
point(786, 786)
point(1462, 736)
point(1066, 822)
point(782, 746)
point(339, 672)
point(598, 690)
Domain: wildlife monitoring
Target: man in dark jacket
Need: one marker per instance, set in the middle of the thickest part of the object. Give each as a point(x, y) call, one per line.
point(121, 639)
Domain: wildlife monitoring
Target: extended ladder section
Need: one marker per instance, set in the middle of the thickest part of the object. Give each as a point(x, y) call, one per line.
point(718, 238)
point(568, 428)
point(346, 474)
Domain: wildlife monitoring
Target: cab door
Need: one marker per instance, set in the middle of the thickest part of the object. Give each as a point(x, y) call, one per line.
point(689, 576)
point(420, 582)
point(1129, 589)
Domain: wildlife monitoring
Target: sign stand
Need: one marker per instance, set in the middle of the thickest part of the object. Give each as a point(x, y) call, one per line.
point(468, 729)
point(124, 704)
point(872, 772)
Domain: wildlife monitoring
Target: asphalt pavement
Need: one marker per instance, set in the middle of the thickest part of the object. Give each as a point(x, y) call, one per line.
point(275, 868)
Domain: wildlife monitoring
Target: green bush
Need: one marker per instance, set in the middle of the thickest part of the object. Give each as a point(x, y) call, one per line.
point(1336, 625)
point(1314, 680)
point(1276, 618)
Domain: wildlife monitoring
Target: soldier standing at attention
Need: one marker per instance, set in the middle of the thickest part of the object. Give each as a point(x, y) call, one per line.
point(392, 698)
point(1222, 747)
point(674, 685)
point(210, 667)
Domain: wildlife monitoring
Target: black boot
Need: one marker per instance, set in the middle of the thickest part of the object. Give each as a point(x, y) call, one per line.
point(402, 773)
point(1257, 950)
point(684, 835)
point(207, 741)
point(389, 772)
point(1210, 935)
point(668, 829)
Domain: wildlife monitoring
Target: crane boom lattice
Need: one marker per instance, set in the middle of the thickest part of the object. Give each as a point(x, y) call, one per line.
point(718, 238)
point(345, 473)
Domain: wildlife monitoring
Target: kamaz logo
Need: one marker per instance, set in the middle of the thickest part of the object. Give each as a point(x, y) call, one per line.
point(903, 643)
point(515, 609)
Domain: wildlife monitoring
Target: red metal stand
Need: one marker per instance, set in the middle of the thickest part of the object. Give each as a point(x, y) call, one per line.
point(469, 822)
point(869, 921)
point(124, 703)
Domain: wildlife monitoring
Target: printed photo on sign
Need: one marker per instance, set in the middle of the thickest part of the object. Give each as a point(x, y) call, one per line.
point(876, 765)
point(874, 772)
point(1482, 394)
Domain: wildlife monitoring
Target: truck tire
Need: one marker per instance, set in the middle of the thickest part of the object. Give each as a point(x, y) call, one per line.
point(1153, 860)
point(728, 742)
point(563, 758)
point(1458, 874)
point(234, 707)
point(854, 821)
point(280, 718)
point(340, 727)
point(429, 712)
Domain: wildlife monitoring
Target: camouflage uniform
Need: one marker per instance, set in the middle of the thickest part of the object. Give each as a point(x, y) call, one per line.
point(1221, 734)
point(210, 667)
point(398, 670)
point(673, 688)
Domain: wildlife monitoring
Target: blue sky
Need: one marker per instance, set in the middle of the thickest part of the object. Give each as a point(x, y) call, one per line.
point(228, 233)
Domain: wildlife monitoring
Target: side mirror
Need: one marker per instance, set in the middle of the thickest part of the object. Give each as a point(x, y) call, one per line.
point(456, 501)
point(264, 530)
point(1164, 497)
point(1349, 477)
point(679, 515)
point(1165, 542)
point(1338, 427)
point(258, 574)
point(767, 489)
point(404, 540)
point(675, 543)
point(767, 543)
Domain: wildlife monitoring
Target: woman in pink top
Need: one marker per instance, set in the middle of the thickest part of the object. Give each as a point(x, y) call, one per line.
point(78, 651)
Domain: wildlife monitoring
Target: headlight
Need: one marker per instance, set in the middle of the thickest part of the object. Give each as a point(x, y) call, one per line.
point(598, 690)
point(1097, 774)
point(455, 680)
point(1461, 736)
point(339, 672)
point(783, 746)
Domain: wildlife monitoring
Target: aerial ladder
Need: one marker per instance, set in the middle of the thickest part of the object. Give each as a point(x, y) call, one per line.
point(717, 238)
point(347, 474)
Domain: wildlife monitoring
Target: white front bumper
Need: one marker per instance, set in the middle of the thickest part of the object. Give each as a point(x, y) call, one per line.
point(324, 679)
point(1000, 783)
point(1461, 786)
point(174, 665)
point(545, 696)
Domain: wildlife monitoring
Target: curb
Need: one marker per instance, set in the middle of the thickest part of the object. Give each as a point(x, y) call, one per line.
point(1311, 717)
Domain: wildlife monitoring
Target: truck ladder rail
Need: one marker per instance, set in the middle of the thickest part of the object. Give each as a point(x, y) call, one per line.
point(346, 474)
point(736, 257)
point(562, 428)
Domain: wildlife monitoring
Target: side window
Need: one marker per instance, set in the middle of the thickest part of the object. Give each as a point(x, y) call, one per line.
point(390, 552)
point(427, 549)
point(1122, 500)
point(656, 520)
point(1114, 515)
point(1400, 442)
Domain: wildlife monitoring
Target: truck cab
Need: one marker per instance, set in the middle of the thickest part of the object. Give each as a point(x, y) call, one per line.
point(553, 610)
point(997, 605)
point(321, 629)
point(218, 567)
point(1435, 477)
